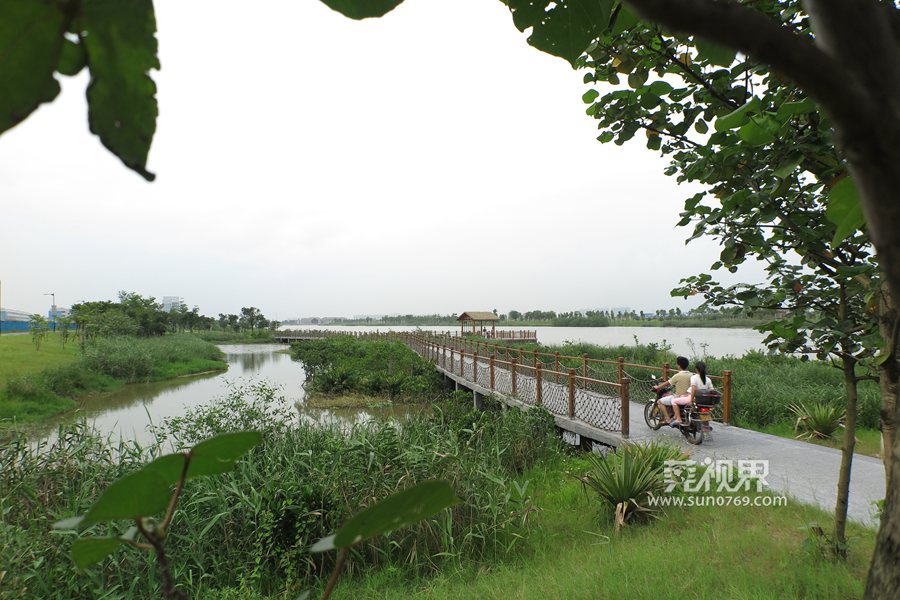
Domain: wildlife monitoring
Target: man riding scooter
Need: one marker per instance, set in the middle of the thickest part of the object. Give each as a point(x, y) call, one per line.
point(680, 382)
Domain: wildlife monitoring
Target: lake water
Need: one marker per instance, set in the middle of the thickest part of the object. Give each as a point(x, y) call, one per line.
point(690, 341)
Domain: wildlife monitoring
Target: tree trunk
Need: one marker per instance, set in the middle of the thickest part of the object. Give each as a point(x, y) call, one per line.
point(843, 491)
point(888, 375)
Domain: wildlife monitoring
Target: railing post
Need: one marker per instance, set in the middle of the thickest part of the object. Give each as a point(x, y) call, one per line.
point(665, 372)
point(726, 397)
point(584, 369)
point(475, 366)
point(571, 393)
point(513, 374)
point(626, 427)
point(462, 361)
point(556, 367)
point(492, 372)
point(621, 368)
point(538, 385)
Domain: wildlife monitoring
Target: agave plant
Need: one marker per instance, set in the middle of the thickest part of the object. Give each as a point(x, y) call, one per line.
point(817, 419)
point(630, 478)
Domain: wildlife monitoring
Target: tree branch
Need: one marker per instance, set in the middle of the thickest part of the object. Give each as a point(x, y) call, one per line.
point(747, 30)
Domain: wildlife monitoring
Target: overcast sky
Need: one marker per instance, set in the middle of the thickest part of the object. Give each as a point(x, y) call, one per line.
point(428, 161)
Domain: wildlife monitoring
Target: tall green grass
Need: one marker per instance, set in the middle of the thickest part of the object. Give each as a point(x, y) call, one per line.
point(250, 529)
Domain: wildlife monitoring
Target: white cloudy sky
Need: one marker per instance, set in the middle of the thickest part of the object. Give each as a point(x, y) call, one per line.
point(429, 161)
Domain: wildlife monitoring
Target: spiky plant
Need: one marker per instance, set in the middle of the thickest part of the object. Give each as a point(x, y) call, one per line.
point(817, 419)
point(630, 478)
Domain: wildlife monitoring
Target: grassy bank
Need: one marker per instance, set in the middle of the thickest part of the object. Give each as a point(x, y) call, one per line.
point(50, 385)
point(18, 356)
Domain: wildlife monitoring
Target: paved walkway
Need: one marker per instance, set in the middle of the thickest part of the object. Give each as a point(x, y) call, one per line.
point(806, 472)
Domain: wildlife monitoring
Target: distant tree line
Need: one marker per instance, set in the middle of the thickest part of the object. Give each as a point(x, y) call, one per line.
point(137, 315)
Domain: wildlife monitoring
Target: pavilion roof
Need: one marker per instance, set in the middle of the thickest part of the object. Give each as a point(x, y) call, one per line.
point(478, 315)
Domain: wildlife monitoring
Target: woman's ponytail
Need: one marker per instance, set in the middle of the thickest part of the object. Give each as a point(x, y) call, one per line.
point(701, 368)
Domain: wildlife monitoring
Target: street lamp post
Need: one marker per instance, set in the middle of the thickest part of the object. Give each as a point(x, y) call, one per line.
point(52, 308)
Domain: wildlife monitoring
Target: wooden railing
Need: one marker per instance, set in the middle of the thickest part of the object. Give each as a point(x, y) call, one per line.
point(538, 378)
point(641, 377)
point(601, 404)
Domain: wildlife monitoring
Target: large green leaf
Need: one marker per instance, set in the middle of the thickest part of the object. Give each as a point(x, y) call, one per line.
point(140, 494)
point(121, 50)
point(566, 29)
point(738, 117)
point(844, 210)
point(218, 454)
point(31, 36)
point(90, 550)
point(210, 457)
point(362, 9)
point(411, 505)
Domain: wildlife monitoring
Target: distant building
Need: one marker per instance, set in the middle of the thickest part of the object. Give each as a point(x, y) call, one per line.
point(170, 303)
point(14, 320)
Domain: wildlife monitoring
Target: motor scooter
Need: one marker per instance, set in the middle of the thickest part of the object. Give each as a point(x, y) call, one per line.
point(696, 418)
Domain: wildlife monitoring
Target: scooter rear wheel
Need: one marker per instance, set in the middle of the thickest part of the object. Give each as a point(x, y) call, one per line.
point(693, 434)
point(652, 415)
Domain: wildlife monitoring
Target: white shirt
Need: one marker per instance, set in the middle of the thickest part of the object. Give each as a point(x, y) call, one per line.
point(699, 385)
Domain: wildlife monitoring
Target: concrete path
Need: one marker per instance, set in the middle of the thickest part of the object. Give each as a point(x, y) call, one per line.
point(806, 472)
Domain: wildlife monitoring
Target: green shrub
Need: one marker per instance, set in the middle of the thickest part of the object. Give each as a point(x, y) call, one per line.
point(628, 479)
point(817, 420)
point(373, 367)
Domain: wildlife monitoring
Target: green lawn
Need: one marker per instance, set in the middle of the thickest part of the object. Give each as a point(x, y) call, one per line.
point(18, 356)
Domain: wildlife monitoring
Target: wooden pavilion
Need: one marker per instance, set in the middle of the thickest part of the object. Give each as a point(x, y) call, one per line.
point(475, 322)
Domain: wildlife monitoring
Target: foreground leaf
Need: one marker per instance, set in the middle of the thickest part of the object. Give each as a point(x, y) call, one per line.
point(210, 457)
point(403, 508)
point(31, 38)
point(87, 551)
point(140, 494)
point(121, 50)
